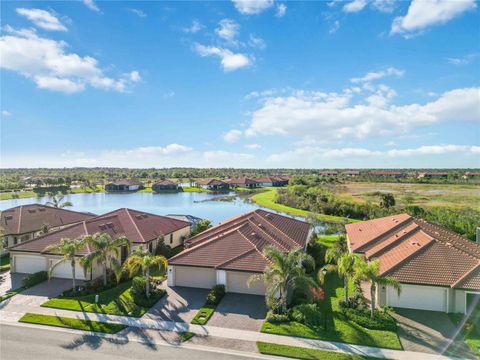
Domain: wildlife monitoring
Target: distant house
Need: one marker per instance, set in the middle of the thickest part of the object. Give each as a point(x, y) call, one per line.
point(433, 175)
point(165, 185)
point(23, 223)
point(438, 269)
point(396, 174)
point(124, 185)
point(243, 183)
point(142, 229)
point(212, 184)
point(272, 181)
point(193, 220)
point(472, 174)
point(329, 172)
point(351, 173)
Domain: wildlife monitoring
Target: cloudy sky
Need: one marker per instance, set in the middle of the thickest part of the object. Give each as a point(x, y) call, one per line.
point(339, 84)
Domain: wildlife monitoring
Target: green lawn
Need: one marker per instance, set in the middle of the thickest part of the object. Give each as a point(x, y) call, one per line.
point(11, 293)
point(203, 315)
point(79, 324)
point(17, 195)
point(328, 240)
point(115, 301)
point(4, 263)
point(267, 199)
point(339, 328)
point(88, 190)
point(194, 189)
point(468, 334)
point(304, 353)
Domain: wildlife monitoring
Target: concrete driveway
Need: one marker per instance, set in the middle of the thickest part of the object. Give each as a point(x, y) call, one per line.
point(425, 331)
point(240, 311)
point(180, 304)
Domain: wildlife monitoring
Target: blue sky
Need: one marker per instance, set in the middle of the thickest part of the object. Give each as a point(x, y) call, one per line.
point(339, 84)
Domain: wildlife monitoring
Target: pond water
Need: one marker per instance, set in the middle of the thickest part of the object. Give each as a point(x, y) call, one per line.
point(190, 203)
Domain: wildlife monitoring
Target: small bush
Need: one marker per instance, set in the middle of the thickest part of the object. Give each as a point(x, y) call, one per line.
point(380, 321)
point(34, 279)
point(215, 295)
point(277, 318)
point(307, 314)
point(138, 291)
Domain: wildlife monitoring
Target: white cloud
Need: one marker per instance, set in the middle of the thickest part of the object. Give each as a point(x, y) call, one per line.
point(253, 146)
point(232, 136)
point(142, 151)
point(47, 63)
point(6, 113)
point(386, 6)
point(256, 42)
point(355, 6)
point(466, 60)
point(422, 14)
point(195, 27)
point(375, 75)
point(334, 28)
point(229, 60)
point(225, 157)
point(227, 30)
point(336, 116)
point(281, 10)
point(251, 7)
point(91, 5)
point(434, 150)
point(138, 12)
point(42, 18)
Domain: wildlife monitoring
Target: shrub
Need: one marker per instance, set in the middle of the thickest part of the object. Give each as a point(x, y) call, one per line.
point(380, 321)
point(215, 294)
point(34, 279)
point(307, 314)
point(277, 318)
point(138, 292)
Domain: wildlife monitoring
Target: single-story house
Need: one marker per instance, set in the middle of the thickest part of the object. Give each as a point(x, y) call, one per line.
point(471, 174)
point(124, 185)
point(328, 172)
point(165, 185)
point(438, 269)
point(231, 252)
point(433, 175)
point(396, 174)
point(243, 183)
point(351, 173)
point(142, 229)
point(24, 222)
point(272, 181)
point(212, 184)
point(193, 220)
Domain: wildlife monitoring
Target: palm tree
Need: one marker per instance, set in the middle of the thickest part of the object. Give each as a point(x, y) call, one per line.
point(57, 201)
point(104, 251)
point(144, 260)
point(285, 273)
point(338, 249)
point(346, 267)
point(69, 249)
point(370, 271)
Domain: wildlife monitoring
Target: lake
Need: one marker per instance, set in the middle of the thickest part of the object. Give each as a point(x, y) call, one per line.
point(191, 203)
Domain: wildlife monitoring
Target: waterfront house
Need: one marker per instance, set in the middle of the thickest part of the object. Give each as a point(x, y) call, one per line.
point(165, 185)
point(124, 185)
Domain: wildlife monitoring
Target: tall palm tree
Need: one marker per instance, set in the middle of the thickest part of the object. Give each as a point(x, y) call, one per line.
point(370, 271)
point(338, 249)
point(57, 201)
point(143, 260)
point(69, 248)
point(346, 267)
point(285, 273)
point(104, 251)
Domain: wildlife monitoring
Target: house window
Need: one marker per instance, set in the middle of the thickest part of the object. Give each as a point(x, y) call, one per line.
point(171, 239)
point(150, 247)
point(15, 240)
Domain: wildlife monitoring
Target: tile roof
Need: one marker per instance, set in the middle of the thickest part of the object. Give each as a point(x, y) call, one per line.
point(137, 226)
point(29, 218)
point(242, 181)
point(126, 182)
point(210, 182)
point(415, 251)
point(238, 243)
point(164, 183)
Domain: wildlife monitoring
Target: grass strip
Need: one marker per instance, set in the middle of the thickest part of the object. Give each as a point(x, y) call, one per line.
point(203, 315)
point(185, 336)
point(70, 323)
point(304, 353)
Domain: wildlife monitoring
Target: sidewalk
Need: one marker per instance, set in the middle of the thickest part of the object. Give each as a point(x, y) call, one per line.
point(11, 313)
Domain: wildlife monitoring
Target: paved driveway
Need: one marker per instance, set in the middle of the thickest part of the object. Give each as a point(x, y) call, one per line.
point(240, 311)
point(180, 304)
point(425, 331)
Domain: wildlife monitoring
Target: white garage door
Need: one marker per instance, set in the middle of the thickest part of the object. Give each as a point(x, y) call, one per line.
point(237, 282)
point(195, 277)
point(64, 270)
point(418, 297)
point(30, 264)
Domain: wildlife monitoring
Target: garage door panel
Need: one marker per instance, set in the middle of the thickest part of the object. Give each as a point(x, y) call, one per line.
point(30, 264)
point(418, 297)
point(237, 283)
point(64, 271)
point(204, 278)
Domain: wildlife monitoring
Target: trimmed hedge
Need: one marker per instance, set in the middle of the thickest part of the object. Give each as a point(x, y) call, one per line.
point(215, 295)
point(277, 318)
point(139, 288)
point(307, 314)
point(34, 279)
point(380, 320)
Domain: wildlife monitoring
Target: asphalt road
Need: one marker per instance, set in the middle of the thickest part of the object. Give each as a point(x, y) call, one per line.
point(23, 343)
